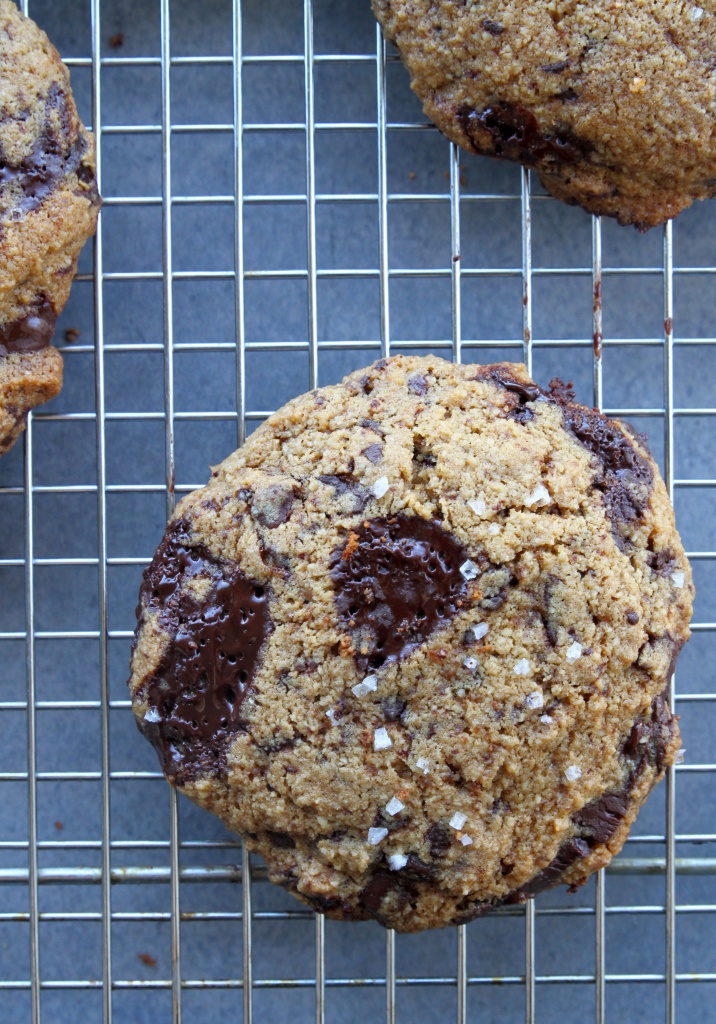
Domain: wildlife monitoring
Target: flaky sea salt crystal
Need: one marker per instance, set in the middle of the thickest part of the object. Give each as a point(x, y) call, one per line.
point(380, 487)
point(423, 764)
point(470, 664)
point(478, 506)
point(394, 806)
point(397, 861)
point(376, 835)
point(573, 773)
point(493, 529)
point(539, 496)
point(697, 13)
point(534, 700)
point(678, 578)
point(479, 629)
point(522, 668)
point(369, 684)
point(546, 719)
point(381, 739)
point(573, 652)
point(680, 755)
point(458, 820)
point(331, 716)
point(152, 715)
point(466, 840)
point(469, 570)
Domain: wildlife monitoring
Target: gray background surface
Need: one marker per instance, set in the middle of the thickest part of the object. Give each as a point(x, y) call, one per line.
point(63, 445)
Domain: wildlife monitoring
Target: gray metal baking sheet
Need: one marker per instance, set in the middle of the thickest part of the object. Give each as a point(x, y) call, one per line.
point(402, 297)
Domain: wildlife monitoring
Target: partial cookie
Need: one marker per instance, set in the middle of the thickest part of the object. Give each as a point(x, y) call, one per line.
point(48, 210)
point(611, 103)
point(414, 641)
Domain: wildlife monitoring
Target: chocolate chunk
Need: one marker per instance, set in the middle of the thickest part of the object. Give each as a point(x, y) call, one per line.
point(418, 384)
point(373, 425)
point(31, 332)
point(271, 506)
point(416, 869)
point(625, 477)
point(650, 736)
point(557, 68)
point(374, 452)
point(439, 839)
point(326, 904)
point(281, 840)
point(511, 131)
point(570, 851)
point(384, 884)
point(494, 586)
point(661, 562)
point(346, 484)
point(599, 820)
point(396, 582)
point(196, 691)
point(52, 157)
point(523, 392)
point(393, 708)
point(632, 618)
point(493, 27)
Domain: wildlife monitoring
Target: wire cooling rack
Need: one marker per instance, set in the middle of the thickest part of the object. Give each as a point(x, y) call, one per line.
point(277, 213)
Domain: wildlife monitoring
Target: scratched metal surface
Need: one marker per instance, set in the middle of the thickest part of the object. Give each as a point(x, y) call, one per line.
point(278, 213)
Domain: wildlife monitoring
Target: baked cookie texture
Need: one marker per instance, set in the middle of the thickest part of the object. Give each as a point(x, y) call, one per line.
point(613, 104)
point(414, 641)
point(48, 209)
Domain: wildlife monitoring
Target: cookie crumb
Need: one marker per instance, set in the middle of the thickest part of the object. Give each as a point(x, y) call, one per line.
point(116, 40)
point(72, 334)
point(147, 959)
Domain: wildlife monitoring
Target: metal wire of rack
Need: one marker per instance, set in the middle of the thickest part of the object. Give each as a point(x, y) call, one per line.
point(179, 860)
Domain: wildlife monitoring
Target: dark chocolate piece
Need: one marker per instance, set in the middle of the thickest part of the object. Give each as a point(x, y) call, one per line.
point(493, 27)
point(626, 477)
point(418, 384)
point(599, 820)
point(374, 452)
point(438, 839)
point(271, 506)
point(393, 708)
point(570, 851)
point(346, 483)
point(29, 333)
point(382, 884)
point(281, 840)
point(196, 692)
point(396, 582)
point(514, 133)
point(52, 157)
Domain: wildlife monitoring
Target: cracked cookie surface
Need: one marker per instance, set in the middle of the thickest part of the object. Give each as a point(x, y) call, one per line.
point(48, 210)
point(612, 104)
point(413, 641)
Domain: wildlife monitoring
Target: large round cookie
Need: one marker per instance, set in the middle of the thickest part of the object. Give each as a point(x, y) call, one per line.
point(612, 103)
point(48, 209)
point(414, 639)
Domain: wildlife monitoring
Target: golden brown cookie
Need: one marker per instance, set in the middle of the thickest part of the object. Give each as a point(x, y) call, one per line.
point(413, 641)
point(48, 209)
point(611, 103)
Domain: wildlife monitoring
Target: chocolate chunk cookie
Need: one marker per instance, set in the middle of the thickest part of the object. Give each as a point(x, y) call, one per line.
point(414, 641)
point(611, 103)
point(48, 210)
